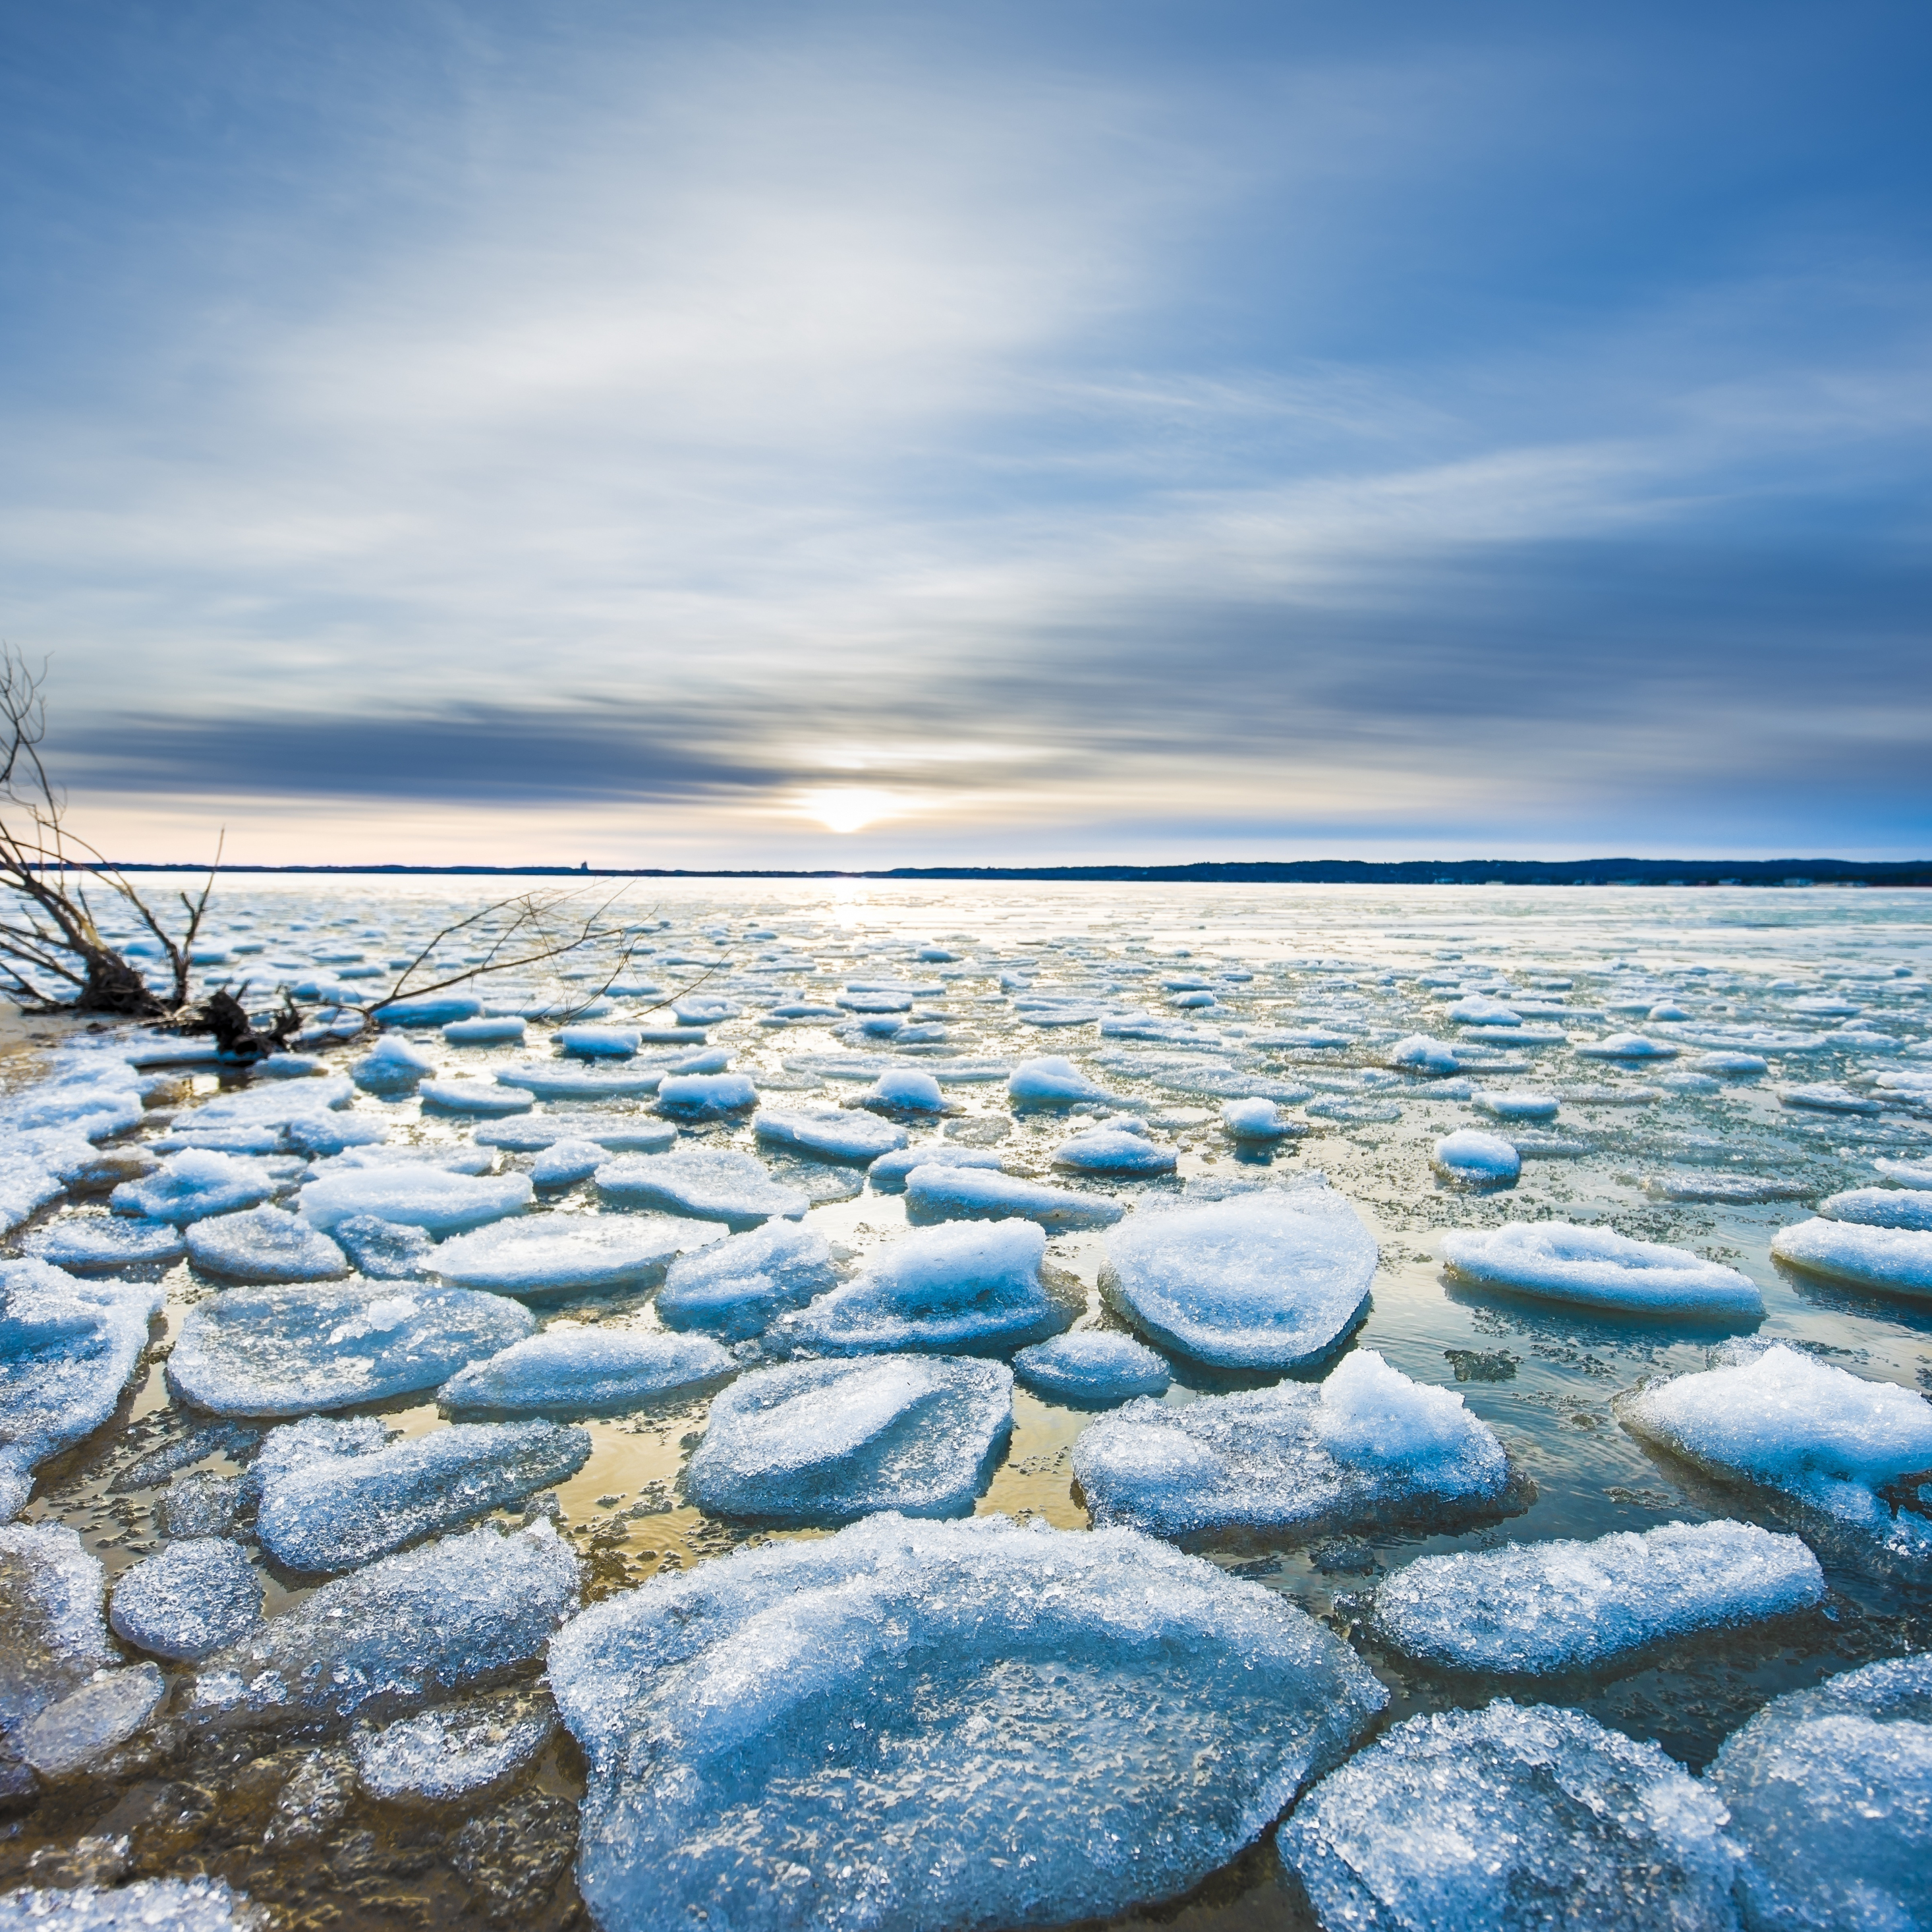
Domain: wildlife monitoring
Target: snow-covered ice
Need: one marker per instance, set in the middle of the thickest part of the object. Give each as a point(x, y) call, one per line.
point(1880, 1207)
point(290, 1351)
point(384, 1250)
point(618, 1133)
point(562, 1080)
point(336, 1494)
point(596, 1371)
point(1271, 1280)
point(194, 1184)
point(1367, 1446)
point(1259, 1119)
point(1826, 1096)
point(1117, 1148)
point(459, 1611)
point(1596, 1267)
point(831, 1135)
point(1476, 1159)
point(1095, 1366)
point(56, 1639)
point(501, 1030)
point(712, 1183)
point(429, 1198)
point(1830, 1795)
point(83, 1244)
point(541, 1254)
point(962, 1193)
point(190, 1598)
point(1916, 1174)
point(888, 1174)
point(1626, 1046)
point(1053, 1082)
point(933, 1724)
point(1547, 1608)
point(738, 1287)
point(1516, 1105)
point(264, 1244)
point(704, 1096)
point(904, 1089)
point(489, 1097)
point(394, 1065)
point(598, 1043)
point(1893, 1260)
point(1512, 1819)
point(827, 1442)
point(455, 1751)
point(1827, 1440)
point(965, 1287)
point(1422, 1053)
point(565, 1163)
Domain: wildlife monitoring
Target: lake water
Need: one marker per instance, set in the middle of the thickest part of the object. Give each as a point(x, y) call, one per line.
point(1362, 967)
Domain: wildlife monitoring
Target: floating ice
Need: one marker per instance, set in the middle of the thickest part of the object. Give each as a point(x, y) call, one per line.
point(888, 1173)
point(906, 1090)
point(193, 1185)
point(1271, 1280)
point(500, 1030)
point(290, 1351)
point(50, 1589)
point(1476, 1158)
point(1598, 1268)
point(1827, 1441)
point(831, 1135)
point(334, 1494)
point(1114, 1149)
point(827, 1442)
point(598, 1043)
point(1421, 1054)
point(264, 1244)
point(189, 1599)
point(1259, 1119)
point(582, 1083)
point(713, 1183)
point(1367, 1446)
point(1738, 1190)
point(1479, 1009)
point(1830, 1795)
point(107, 1710)
point(429, 1198)
point(707, 1096)
point(455, 1751)
point(1553, 1607)
point(564, 1163)
point(455, 1612)
point(599, 1371)
point(1824, 1097)
point(1052, 1082)
point(1906, 1173)
point(177, 1904)
point(452, 1156)
point(796, 1733)
point(1732, 1065)
point(1517, 1106)
point(429, 1011)
point(384, 1250)
point(475, 1096)
point(1093, 1366)
point(82, 1244)
point(567, 1254)
point(962, 1193)
point(1626, 1046)
point(737, 1288)
point(617, 1133)
point(1880, 1207)
point(1511, 1819)
point(67, 1348)
point(1895, 1260)
point(961, 1288)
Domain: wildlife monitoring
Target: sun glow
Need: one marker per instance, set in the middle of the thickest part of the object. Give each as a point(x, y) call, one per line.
point(851, 808)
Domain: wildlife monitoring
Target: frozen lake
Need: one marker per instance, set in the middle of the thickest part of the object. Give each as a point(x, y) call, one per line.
point(1698, 1069)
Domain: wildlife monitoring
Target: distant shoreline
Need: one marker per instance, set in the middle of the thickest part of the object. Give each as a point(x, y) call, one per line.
point(1772, 872)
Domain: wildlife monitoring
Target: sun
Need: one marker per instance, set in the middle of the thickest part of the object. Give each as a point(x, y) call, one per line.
point(849, 808)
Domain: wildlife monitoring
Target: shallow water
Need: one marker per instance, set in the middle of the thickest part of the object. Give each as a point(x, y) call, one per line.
point(1353, 960)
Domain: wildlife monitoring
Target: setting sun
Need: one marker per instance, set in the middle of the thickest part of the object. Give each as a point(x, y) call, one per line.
point(851, 808)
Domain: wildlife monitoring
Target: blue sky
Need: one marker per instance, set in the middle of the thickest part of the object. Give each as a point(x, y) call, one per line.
point(841, 434)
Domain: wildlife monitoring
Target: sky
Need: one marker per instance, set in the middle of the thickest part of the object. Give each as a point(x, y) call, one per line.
point(843, 435)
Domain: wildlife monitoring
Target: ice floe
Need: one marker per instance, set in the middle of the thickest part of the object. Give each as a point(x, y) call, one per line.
point(457, 1612)
point(55, 1638)
point(110, 1708)
point(793, 1733)
point(1829, 1443)
point(290, 1351)
point(888, 1174)
point(1271, 1280)
point(831, 1135)
point(566, 1082)
point(1259, 1120)
point(567, 1254)
point(1120, 1148)
point(965, 1288)
point(1511, 1106)
point(419, 1196)
point(962, 1193)
point(1826, 1097)
point(703, 1096)
point(1053, 1082)
point(189, 1599)
point(1476, 1159)
point(827, 1442)
point(1626, 1046)
point(738, 1287)
point(905, 1090)
point(1597, 1267)
point(1367, 1446)
point(335, 1494)
point(1421, 1053)
point(193, 1185)
point(1880, 1207)
point(264, 1244)
point(1913, 1173)
point(1893, 1260)
point(1094, 1366)
point(1830, 1795)
point(475, 1096)
point(1548, 1608)
point(82, 1244)
point(617, 1133)
point(1512, 1819)
point(711, 1183)
point(599, 1371)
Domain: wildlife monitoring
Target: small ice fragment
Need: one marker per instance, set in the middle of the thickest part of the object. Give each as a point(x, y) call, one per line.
point(1732, 1066)
point(149, 1904)
point(1367, 1446)
point(712, 1183)
point(1826, 1097)
point(1095, 1366)
point(1419, 1053)
point(961, 1288)
point(1263, 1280)
point(189, 1599)
point(56, 1639)
point(833, 1134)
point(904, 1089)
point(827, 1442)
point(564, 1163)
point(599, 1371)
point(455, 1751)
point(1893, 1260)
point(87, 1723)
point(264, 1244)
point(1552, 1607)
point(394, 1065)
point(1597, 1267)
point(1512, 1819)
point(738, 1287)
point(1476, 1159)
